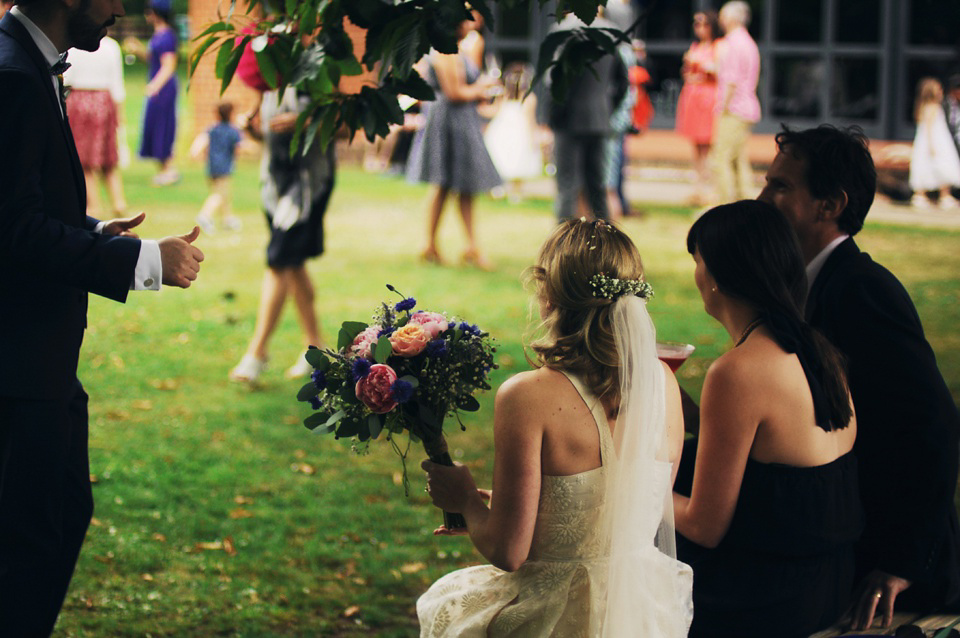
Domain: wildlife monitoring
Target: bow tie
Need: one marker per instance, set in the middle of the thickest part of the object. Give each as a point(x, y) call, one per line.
point(60, 65)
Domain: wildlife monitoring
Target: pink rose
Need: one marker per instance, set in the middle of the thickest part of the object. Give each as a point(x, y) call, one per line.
point(409, 341)
point(433, 323)
point(374, 390)
point(364, 341)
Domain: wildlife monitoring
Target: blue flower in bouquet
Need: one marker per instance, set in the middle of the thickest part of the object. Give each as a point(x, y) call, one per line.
point(470, 329)
point(386, 332)
point(406, 305)
point(402, 390)
point(437, 348)
point(319, 378)
point(361, 368)
point(315, 402)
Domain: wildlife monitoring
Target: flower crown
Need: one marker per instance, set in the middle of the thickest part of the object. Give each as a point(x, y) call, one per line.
point(613, 288)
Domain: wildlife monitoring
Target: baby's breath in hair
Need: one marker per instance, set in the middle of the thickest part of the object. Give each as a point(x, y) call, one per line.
point(612, 288)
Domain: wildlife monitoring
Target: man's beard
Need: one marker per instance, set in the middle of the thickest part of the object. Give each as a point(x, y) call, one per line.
point(83, 32)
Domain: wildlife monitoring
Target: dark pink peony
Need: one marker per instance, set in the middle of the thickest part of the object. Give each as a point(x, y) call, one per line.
point(374, 390)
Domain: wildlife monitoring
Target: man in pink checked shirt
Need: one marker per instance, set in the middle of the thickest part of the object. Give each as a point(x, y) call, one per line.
point(737, 109)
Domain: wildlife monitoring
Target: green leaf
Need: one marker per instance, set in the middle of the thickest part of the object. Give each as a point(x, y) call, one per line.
point(216, 27)
point(328, 127)
point(199, 53)
point(467, 403)
point(375, 425)
point(315, 419)
point(307, 392)
point(317, 359)
point(231, 65)
point(268, 69)
point(348, 393)
point(223, 56)
point(348, 332)
point(350, 66)
point(412, 380)
point(348, 428)
point(383, 349)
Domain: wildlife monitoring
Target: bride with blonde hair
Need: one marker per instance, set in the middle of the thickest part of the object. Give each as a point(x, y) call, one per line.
point(579, 526)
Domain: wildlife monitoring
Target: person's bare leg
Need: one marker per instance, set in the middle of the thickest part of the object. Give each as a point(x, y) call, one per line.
point(472, 254)
point(94, 208)
point(302, 291)
point(118, 199)
point(613, 204)
point(434, 212)
point(273, 294)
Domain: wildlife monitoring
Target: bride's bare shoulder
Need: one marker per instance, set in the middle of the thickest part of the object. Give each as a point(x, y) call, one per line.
point(538, 386)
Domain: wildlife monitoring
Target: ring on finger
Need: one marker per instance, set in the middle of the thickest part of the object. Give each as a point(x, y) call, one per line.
point(878, 594)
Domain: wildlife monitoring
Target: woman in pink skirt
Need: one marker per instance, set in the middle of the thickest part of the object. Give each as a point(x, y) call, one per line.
point(94, 107)
point(699, 93)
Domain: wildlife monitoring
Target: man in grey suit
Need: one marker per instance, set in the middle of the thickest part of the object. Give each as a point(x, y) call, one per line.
point(581, 126)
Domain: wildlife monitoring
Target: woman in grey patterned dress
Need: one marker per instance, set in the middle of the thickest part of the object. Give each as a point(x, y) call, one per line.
point(450, 152)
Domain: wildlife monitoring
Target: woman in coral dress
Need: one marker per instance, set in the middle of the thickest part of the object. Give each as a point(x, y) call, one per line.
point(695, 104)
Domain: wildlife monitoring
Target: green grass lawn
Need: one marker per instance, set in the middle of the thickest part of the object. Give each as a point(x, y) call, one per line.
point(219, 514)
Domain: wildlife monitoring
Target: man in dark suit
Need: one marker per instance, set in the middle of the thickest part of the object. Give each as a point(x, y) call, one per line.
point(581, 127)
point(908, 438)
point(51, 256)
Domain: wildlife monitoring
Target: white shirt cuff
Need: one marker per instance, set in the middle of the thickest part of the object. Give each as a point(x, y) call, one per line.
point(149, 271)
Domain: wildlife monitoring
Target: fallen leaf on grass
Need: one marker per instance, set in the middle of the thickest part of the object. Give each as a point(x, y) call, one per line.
point(351, 611)
point(165, 384)
point(159, 537)
point(118, 415)
point(303, 468)
point(147, 577)
point(291, 420)
point(240, 513)
point(96, 522)
point(94, 479)
point(117, 361)
point(240, 499)
point(398, 478)
point(226, 546)
point(413, 568)
point(142, 404)
point(299, 454)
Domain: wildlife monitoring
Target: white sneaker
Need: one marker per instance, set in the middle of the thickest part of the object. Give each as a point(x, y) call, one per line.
point(299, 370)
point(248, 370)
point(948, 202)
point(920, 201)
point(206, 224)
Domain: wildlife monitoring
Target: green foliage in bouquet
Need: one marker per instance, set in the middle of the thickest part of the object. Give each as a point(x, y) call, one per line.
point(404, 372)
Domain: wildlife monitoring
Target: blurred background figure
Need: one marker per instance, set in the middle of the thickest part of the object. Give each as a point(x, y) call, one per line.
point(5, 6)
point(450, 153)
point(934, 163)
point(581, 128)
point(95, 109)
point(512, 136)
point(737, 108)
point(160, 114)
point(695, 106)
point(295, 192)
point(220, 143)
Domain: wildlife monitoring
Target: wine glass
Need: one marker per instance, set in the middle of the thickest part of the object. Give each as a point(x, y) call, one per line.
point(674, 353)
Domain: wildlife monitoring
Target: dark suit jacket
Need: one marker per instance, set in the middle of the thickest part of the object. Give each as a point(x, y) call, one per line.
point(49, 256)
point(908, 426)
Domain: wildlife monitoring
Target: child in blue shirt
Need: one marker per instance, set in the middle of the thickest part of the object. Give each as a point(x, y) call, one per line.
point(220, 143)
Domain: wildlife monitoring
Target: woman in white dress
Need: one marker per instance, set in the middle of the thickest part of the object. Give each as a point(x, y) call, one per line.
point(934, 164)
point(579, 529)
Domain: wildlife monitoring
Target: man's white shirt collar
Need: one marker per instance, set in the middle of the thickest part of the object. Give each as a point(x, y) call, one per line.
point(816, 264)
point(47, 48)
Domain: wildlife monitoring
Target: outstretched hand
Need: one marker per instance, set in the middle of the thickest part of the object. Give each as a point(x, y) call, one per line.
point(876, 595)
point(123, 226)
point(180, 259)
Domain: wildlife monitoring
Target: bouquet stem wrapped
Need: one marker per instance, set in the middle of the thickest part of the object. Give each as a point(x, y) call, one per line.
point(436, 449)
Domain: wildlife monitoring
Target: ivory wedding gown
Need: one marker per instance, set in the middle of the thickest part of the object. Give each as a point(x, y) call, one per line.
point(561, 590)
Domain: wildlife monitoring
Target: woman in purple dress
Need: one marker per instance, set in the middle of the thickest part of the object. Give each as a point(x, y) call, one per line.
point(160, 114)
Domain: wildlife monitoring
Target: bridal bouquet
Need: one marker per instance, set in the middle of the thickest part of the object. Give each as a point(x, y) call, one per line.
point(405, 372)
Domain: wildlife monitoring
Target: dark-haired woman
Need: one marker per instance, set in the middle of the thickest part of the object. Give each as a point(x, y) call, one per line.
point(774, 509)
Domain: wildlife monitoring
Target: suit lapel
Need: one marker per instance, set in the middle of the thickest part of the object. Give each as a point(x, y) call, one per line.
point(12, 27)
point(847, 249)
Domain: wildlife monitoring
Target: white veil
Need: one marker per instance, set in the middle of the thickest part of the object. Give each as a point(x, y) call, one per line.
point(649, 593)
